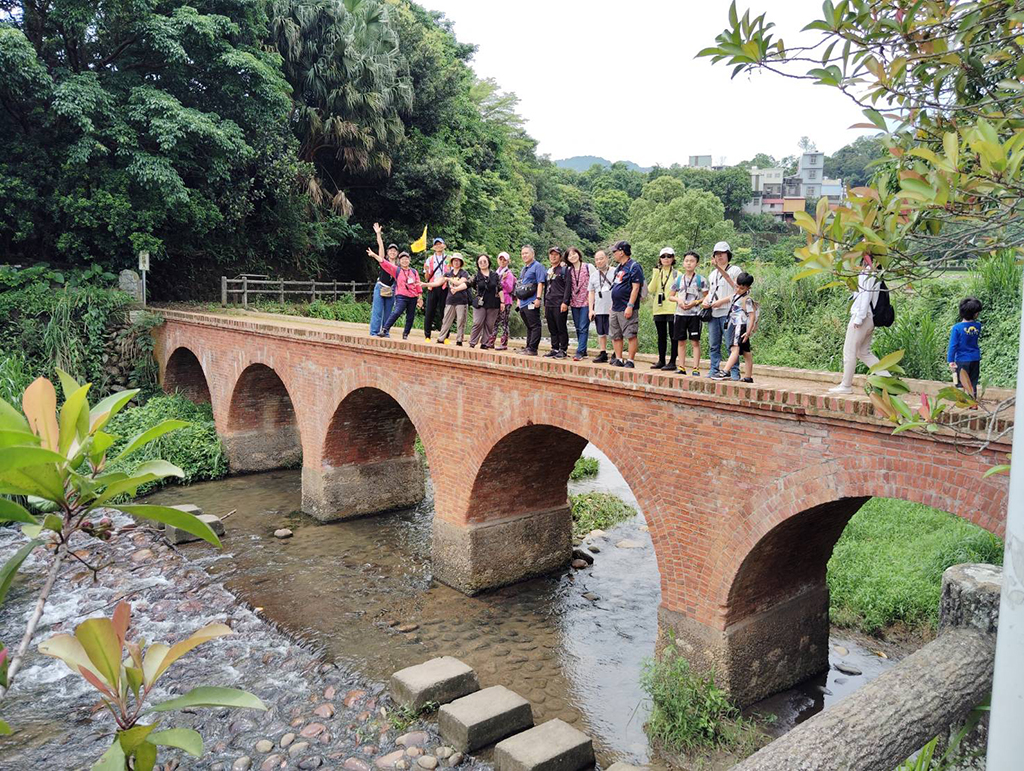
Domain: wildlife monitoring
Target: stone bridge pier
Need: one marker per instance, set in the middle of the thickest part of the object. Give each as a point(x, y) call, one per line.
point(745, 488)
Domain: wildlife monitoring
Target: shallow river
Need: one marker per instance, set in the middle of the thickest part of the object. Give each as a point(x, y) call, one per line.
point(348, 588)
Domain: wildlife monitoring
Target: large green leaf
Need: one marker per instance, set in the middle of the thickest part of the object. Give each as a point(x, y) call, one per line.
point(135, 736)
point(102, 646)
point(182, 738)
point(11, 419)
point(10, 568)
point(160, 657)
point(147, 472)
point(13, 512)
point(20, 456)
point(9, 437)
point(174, 517)
point(39, 481)
point(67, 383)
point(149, 435)
point(5, 728)
point(112, 760)
point(74, 419)
point(210, 696)
point(145, 757)
point(103, 411)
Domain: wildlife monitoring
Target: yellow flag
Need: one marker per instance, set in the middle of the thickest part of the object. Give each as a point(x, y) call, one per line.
point(421, 244)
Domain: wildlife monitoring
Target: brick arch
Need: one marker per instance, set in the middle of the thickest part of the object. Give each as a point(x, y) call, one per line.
point(184, 374)
point(368, 463)
point(262, 429)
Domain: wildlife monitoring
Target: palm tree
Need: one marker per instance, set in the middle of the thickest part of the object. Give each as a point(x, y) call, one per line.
point(342, 60)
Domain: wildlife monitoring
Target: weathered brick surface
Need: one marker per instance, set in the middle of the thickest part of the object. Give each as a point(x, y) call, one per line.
point(745, 487)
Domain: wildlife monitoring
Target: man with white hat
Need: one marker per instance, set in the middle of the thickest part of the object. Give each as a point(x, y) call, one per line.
point(435, 289)
point(719, 298)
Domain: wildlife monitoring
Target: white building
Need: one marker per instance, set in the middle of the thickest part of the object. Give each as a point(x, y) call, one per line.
point(811, 171)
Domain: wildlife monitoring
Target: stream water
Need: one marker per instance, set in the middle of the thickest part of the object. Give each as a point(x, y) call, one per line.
point(361, 592)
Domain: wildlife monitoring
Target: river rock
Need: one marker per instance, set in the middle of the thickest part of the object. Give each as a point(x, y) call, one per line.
point(427, 762)
point(455, 759)
point(626, 543)
point(412, 739)
point(444, 752)
point(406, 628)
point(579, 564)
point(595, 534)
point(142, 555)
point(313, 730)
point(287, 739)
point(389, 760)
point(848, 669)
point(579, 554)
point(243, 763)
point(352, 697)
point(324, 711)
point(272, 762)
point(298, 748)
point(283, 532)
point(314, 762)
point(264, 746)
point(414, 752)
point(355, 764)
point(594, 548)
point(589, 596)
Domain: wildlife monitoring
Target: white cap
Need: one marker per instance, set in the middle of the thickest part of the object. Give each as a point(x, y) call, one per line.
point(503, 254)
point(722, 246)
point(667, 250)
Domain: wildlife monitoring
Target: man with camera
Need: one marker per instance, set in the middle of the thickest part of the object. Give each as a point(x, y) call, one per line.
point(530, 297)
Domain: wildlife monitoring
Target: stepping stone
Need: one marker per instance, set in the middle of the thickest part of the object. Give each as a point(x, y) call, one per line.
point(439, 680)
point(176, 535)
point(551, 746)
point(620, 766)
point(483, 718)
point(188, 508)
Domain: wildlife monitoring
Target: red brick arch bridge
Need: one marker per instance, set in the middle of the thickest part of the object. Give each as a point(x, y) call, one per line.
point(745, 488)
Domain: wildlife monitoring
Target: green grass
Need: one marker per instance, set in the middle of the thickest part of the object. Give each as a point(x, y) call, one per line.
point(597, 511)
point(887, 565)
point(584, 469)
point(689, 713)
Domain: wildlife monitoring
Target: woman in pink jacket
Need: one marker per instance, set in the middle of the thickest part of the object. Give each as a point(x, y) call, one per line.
point(408, 292)
point(506, 283)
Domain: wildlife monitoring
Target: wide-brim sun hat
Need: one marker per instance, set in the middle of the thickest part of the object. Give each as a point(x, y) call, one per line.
point(458, 257)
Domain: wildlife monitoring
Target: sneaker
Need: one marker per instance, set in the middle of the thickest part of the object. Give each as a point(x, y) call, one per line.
point(473, 345)
point(695, 373)
point(561, 355)
point(405, 337)
point(447, 341)
point(746, 380)
point(628, 364)
point(681, 371)
point(841, 389)
point(551, 354)
point(459, 343)
point(617, 363)
point(582, 354)
point(671, 366)
point(384, 334)
point(659, 365)
point(577, 357)
point(720, 376)
point(426, 338)
point(601, 358)
point(441, 342)
point(501, 347)
point(529, 353)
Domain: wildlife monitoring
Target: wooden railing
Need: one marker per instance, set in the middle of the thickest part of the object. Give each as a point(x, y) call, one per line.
point(239, 290)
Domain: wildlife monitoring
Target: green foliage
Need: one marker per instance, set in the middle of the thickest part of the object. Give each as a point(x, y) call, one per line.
point(597, 511)
point(14, 376)
point(688, 711)
point(195, 449)
point(584, 468)
point(853, 163)
point(887, 566)
point(125, 673)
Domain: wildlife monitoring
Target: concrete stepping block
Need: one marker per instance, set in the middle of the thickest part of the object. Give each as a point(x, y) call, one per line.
point(484, 717)
point(188, 508)
point(176, 535)
point(551, 746)
point(439, 680)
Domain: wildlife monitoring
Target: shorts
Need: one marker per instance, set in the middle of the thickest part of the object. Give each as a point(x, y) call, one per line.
point(621, 327)
point(735, 337)
point(973, 370)
point(601, 322)
point(688, 327)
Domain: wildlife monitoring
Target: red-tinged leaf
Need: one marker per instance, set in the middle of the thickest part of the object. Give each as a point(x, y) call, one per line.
point(121, 619)
point(96, 683)
point(925, 408)
point(102, 647)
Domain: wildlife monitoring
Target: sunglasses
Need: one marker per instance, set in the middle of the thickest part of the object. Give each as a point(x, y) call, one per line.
point(668, 256)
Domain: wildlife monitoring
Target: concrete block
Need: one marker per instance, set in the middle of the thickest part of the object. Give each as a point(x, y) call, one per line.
point(189, 508)
point(439, 680)
point(551, 746)
point(176, 535)
point(483, 718)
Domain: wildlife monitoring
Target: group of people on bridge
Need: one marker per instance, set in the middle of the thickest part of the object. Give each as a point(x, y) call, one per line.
point(607, 293)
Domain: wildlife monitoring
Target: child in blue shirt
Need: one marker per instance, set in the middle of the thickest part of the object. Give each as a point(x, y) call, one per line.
point(964, 355)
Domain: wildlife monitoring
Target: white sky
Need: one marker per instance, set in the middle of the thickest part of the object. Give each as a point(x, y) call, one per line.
point(619, 80)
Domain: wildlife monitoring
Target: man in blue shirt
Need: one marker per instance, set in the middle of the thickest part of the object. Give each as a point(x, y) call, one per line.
point(625, 316)
point(532, 274)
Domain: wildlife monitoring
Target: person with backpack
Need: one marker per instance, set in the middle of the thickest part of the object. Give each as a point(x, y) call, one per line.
point(687, 293)
point(717, 301)
point(742, 325)
point(557, 294)
point(384, 288)
point(627, 293)
point(529, 292)
point(435, 287)
point(457, 302)
point(579, 299)
point(507, 285)
point(602, 279)
point(408, 292)
point(664, 309)
point(871, 307)
point(964, 353)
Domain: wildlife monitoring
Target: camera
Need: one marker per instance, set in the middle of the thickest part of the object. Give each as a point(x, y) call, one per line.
point(661, 299)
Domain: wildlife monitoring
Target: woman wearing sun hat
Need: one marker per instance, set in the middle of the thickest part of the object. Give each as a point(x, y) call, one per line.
point(664, 309)
point(506, 284)
point(456, 280)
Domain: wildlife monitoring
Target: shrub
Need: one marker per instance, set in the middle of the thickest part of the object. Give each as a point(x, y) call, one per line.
point(688, 711)
point(597, 511)
point(14, 376)
point(195, 449)
point(584, 468)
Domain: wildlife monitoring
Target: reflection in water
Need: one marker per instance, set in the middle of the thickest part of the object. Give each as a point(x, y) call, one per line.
point(362, 591)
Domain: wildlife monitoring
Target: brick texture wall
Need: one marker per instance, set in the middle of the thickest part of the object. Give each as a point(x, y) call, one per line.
point(745, 488)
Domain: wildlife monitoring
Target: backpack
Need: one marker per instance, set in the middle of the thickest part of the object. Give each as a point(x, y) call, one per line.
point(882, 313)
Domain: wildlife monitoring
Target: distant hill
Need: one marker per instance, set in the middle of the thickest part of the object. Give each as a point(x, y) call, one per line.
point(584, 162)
